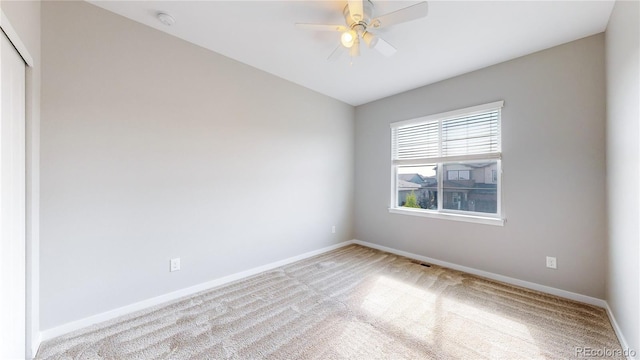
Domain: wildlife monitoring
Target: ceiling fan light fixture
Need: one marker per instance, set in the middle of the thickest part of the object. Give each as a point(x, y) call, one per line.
point(370, 39)
point(348, 38)
point(354, 51)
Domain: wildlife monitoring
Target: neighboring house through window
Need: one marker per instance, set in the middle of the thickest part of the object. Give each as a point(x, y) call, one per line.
point(448, 165)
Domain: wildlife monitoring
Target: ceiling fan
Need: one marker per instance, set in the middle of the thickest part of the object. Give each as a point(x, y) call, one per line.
point(358, 16)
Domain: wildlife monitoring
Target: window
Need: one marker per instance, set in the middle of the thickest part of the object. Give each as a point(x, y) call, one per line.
point(458, 175)
point(447, 165)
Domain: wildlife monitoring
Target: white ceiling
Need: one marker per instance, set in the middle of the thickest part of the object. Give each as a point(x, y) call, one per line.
point(455, 38)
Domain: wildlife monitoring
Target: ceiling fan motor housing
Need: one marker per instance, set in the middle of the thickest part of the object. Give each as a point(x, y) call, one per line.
point(359, 26)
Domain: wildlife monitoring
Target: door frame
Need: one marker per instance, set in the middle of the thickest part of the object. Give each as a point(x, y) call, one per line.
point(32, 268)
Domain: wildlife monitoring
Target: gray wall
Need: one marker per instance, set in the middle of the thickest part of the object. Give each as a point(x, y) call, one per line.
point(623, 167)
point(553, 133)
point(25, 18)
point(154, 148)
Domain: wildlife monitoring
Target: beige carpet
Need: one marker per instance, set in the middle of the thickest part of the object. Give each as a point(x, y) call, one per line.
point(356, 303)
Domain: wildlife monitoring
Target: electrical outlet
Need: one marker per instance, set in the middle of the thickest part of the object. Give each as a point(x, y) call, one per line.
point(175, 265)
point(551, 262)
point(333, 229)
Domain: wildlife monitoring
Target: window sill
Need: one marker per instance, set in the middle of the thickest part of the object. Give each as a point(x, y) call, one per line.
point(446, 216)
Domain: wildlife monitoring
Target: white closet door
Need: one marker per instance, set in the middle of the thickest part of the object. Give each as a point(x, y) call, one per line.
point(12, 202)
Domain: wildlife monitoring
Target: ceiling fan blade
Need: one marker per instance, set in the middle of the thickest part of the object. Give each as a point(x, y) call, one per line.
point(410, 13)
point(356, 9)
point(385, 48)
point(321, 27)
point(337, 53)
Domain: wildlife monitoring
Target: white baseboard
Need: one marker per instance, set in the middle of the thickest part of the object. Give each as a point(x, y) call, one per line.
point(509, 280)
point(619, 334)
point(51, 333)
point(112, 314)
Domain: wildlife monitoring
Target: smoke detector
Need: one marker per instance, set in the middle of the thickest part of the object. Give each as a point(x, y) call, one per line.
point(166, 18)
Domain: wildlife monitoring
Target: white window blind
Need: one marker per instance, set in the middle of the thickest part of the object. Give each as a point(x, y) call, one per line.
point(416, 141)
point(468, 133)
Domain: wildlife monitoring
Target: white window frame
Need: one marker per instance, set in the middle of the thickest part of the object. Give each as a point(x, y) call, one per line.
point(441, 213)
